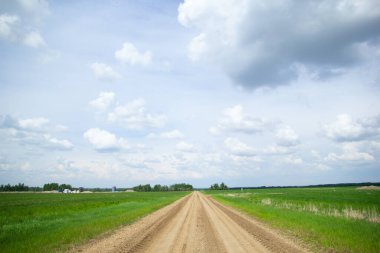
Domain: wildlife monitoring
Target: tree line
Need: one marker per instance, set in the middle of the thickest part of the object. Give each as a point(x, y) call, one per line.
point(60, 187)
point(56, 187)
point(18, 188)
point(163, 188)
point(216, 186)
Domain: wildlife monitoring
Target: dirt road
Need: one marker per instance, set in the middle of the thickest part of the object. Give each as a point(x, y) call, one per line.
point(195, 223)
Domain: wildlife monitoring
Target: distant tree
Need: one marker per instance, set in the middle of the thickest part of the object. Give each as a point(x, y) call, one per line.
point(35, 189)
point(181, 187)
point(147, 188)
point(143, 188)
point(13, 188)
point(165, 188)
point(50, 187)
point(157, 188)
point(223, 186)
point(216, 186)
point(137, 188)
point(64, 186)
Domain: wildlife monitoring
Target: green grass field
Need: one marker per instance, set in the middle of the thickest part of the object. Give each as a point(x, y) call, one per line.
point(40, 222)
point(340, 219)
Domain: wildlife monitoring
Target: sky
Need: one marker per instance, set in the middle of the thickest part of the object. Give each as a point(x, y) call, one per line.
point(246, 92)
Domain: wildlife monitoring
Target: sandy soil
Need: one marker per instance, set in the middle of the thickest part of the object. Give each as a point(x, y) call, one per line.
point(195, 223)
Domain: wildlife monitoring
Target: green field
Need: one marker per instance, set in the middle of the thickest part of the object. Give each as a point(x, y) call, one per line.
point(341, 219)
point(40, 222)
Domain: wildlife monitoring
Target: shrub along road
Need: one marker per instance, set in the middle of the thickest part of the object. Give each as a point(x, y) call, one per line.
point(195, 223)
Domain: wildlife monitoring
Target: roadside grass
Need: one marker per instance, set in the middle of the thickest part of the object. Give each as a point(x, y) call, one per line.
point(39, 222)
point(341, 219)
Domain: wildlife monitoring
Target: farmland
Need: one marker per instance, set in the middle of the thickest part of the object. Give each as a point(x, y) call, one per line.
point(342, 219)
point(30, 222)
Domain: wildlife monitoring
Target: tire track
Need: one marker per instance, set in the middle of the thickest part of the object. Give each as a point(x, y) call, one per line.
point(195, 223)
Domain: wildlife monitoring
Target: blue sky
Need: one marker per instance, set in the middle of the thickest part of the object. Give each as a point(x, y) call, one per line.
point(106, 93)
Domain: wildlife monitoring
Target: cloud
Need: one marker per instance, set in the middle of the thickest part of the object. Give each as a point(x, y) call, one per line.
point(129, 54)
point(134, 115)
point(239, 148)
point(197, 47)
point(35, 40)
point(7, 24)
point(293, 160)
point(104, 141)
point(350, 153)
point(41, 140)
point(286, 137)
point(174, 134)
point(37, 8)
point(261, 44)
point(104, 72)
point(276, 150)
point(23, 22)
point(234, 119)
point(34, 131)
point(185, 147)
point(344, 128)
point(37, 124)
point(54, 143)
point(103, 102)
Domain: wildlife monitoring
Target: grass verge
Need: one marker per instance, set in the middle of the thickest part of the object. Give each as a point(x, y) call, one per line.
point(326, 219)
point(36, 222)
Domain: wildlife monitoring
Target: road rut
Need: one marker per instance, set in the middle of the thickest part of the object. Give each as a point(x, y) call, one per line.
point(195, 223)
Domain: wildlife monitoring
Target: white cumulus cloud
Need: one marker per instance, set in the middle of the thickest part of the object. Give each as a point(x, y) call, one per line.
point(7, 23)
point(350, 153)
point(20, 21)
point(130, 54)
point(104, 101)
point(34, 131)
point(34, 39)
point(104, 72)
point(103, 140)
point(238, 148)
point(54, 143)
point(197, 47)
point(185, 147)
point(33, 123)
point(37, 124)
point(345, 128)
point(286, 136)
point(236, 120)
point(134, 115)
point(174, 134)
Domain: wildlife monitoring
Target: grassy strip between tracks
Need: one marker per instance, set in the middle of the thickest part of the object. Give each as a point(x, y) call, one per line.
point(342, 219)
point(40, 222)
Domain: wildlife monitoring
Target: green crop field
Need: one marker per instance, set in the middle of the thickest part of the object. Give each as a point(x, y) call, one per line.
point(342, 219)
point(40, 222)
